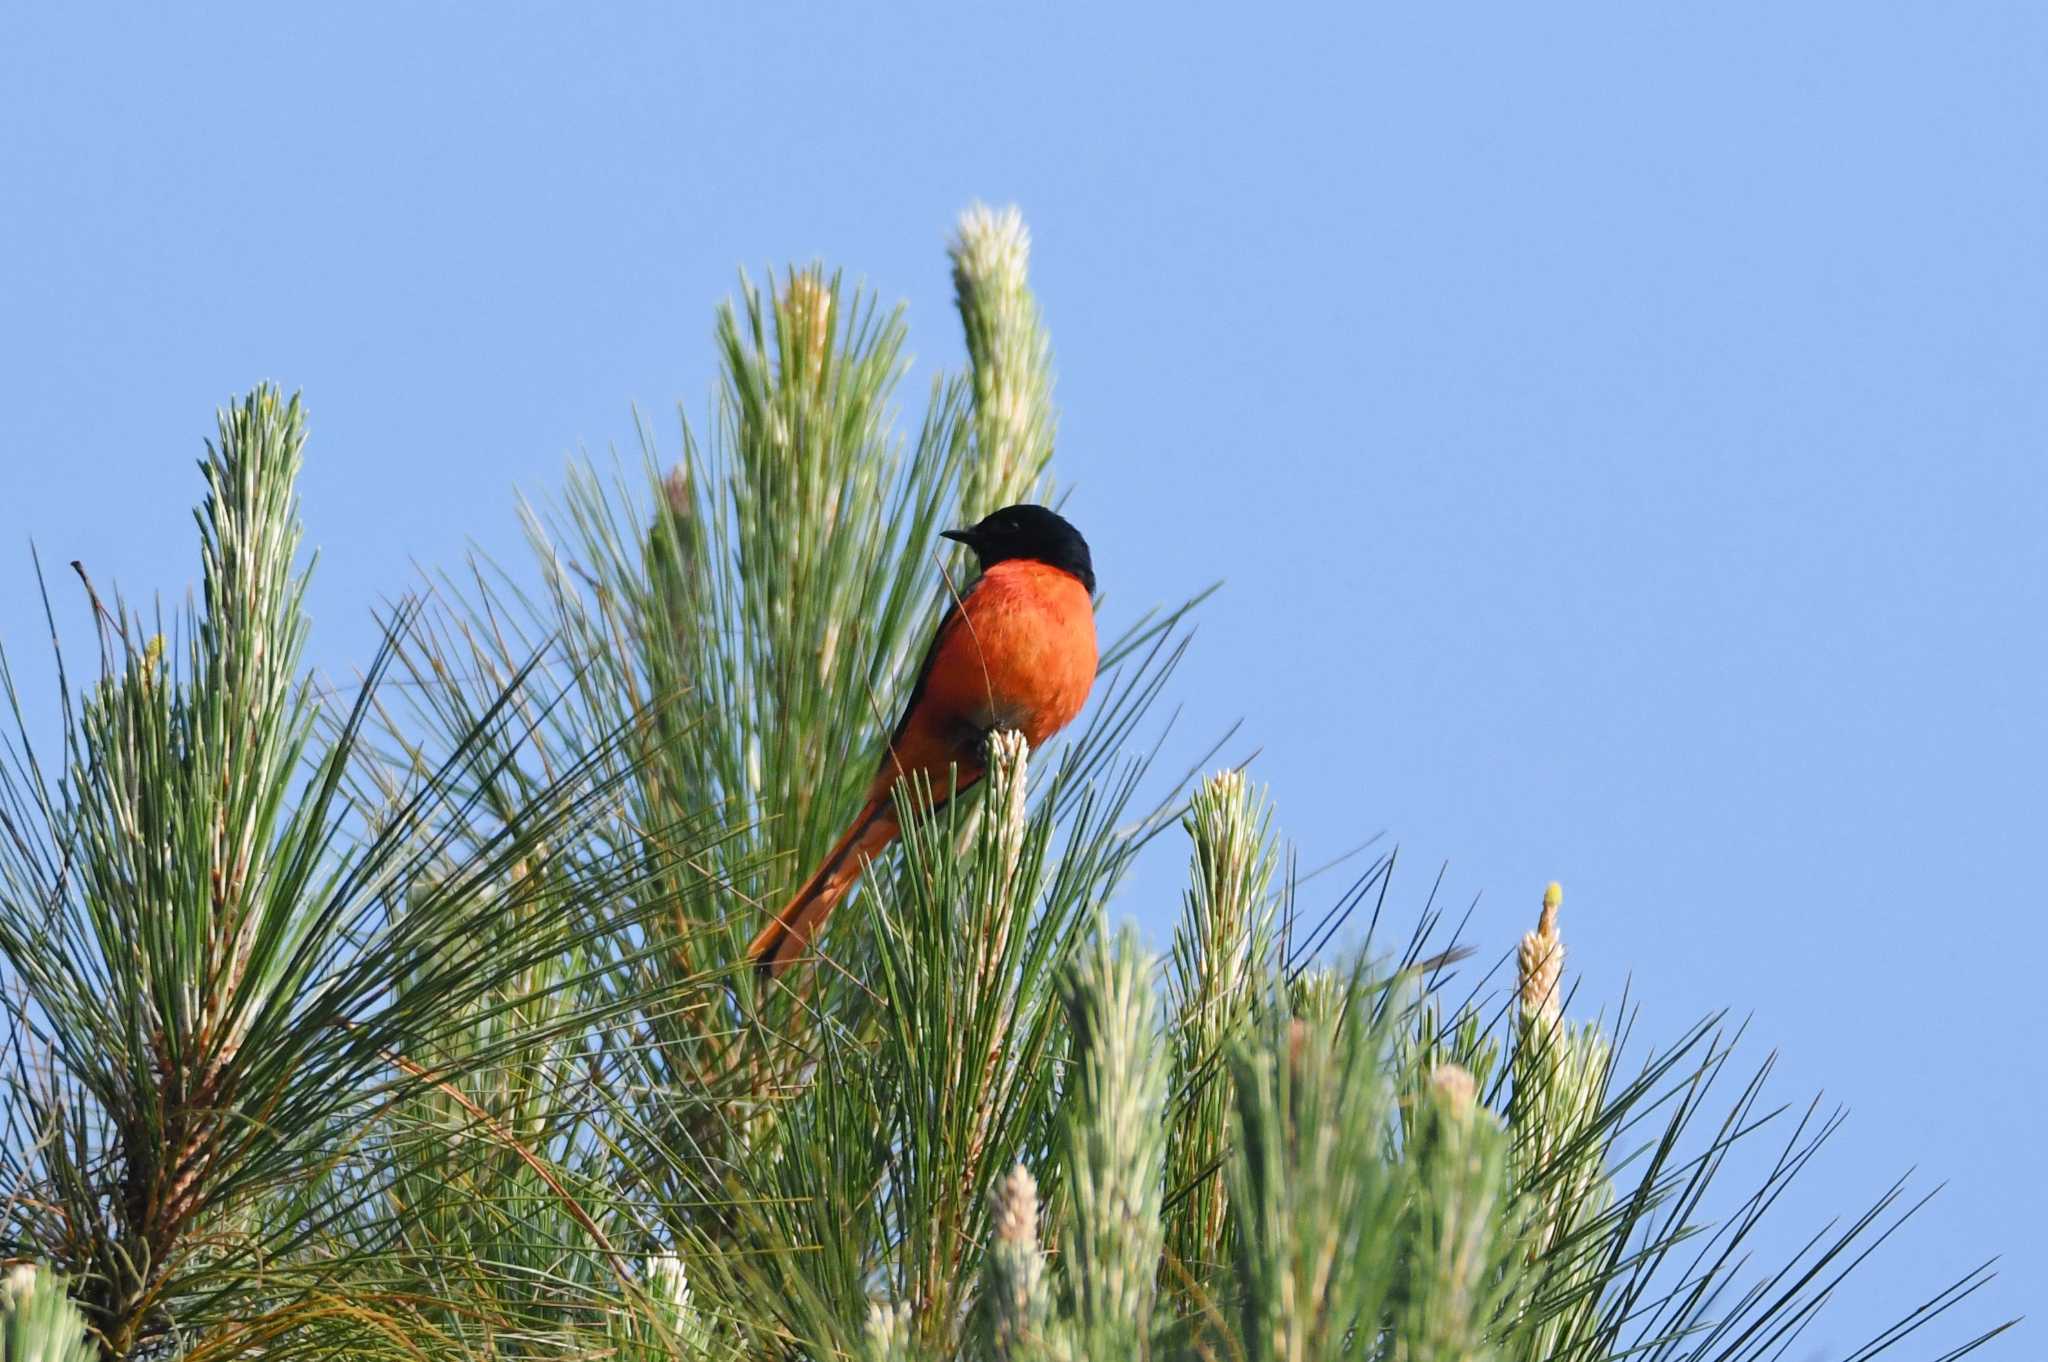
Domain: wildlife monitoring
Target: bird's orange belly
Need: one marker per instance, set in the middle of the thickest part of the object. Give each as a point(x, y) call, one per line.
point(1021, 656)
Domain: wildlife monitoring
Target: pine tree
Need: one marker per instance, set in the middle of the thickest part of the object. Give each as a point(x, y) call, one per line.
point(413, 1022)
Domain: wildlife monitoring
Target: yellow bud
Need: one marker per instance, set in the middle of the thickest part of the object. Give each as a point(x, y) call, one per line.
point(1016, 1208)
point(676, 490)
point(807, 315)
point(1540, 961)
point(1455, 1086)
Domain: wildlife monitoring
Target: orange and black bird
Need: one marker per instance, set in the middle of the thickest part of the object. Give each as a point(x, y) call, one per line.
point(1017, 651)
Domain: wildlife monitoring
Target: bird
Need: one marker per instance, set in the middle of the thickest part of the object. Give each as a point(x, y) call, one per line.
point(1016, 651)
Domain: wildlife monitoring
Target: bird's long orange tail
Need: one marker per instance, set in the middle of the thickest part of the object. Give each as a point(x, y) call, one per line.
point(787, 937)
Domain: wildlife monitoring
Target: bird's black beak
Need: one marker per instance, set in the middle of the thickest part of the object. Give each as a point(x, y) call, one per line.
point(959, 536)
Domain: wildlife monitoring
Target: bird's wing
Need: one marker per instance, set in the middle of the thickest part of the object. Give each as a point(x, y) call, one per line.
point(949, 622)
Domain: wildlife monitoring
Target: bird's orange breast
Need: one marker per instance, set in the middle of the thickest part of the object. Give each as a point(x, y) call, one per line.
point(1022, 654)
point(1019, 653)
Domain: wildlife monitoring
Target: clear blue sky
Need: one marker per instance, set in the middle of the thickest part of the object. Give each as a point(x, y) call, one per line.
point(1620, 427)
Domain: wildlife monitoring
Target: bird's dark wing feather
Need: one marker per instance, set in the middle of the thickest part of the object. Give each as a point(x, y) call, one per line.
point(924, 671)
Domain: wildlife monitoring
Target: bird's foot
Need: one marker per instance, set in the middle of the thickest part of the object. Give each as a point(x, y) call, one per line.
point(985, 748)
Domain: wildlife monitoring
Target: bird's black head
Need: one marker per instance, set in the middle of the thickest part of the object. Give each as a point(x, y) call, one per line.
point(1030, 532)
